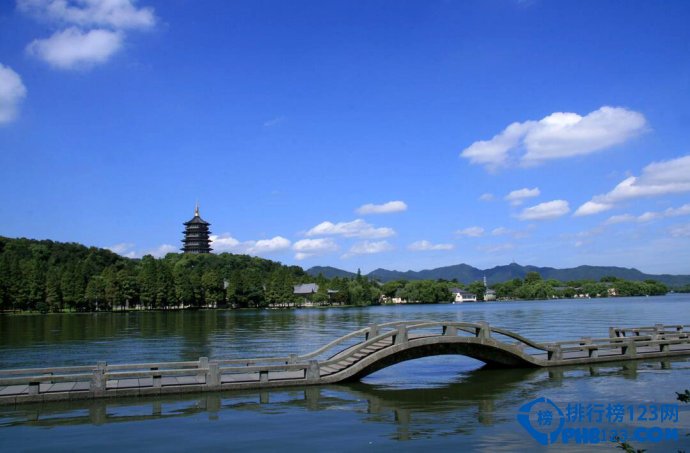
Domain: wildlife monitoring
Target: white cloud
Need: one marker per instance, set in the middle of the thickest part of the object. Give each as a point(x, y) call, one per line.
point(649, 215)
point(73, 48)
point(272, 245)
point(424, 245)
point(306, 248)
point(486, 197)
point(674, 212)
point(592, 207)
point(472, 232)
point(658, 178)
point(494, 153)
point(559, 135)
point(545, 211)
point(623, 218)
point(95, 32)
point(125, 249)
point(680, 231)
point(162, 250)
point(368, 248)
point(120, 14)
point(224, 243)
point(516, 197)
point(227, 243)
point(500, 231)
point(385, 208)
point(128, 250)
point(356, 229)
point(12, 91)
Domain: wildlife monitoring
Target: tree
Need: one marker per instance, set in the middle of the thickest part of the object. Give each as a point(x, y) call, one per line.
point(390, 289)
point(95, 293)
point(148, 282)
point(532, 277)
point(53, 300)
point(477, 288)
point(212, 284)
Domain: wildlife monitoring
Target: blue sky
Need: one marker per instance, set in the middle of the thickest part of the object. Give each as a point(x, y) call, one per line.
point(353, 134)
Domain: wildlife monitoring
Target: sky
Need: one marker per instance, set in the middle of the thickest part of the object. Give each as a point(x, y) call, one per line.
point(393, 134)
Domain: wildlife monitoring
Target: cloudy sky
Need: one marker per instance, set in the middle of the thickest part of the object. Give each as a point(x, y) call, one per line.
point(404, 135)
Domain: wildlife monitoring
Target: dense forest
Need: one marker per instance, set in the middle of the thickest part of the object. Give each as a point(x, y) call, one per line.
point(530, 288)
point(49, 276)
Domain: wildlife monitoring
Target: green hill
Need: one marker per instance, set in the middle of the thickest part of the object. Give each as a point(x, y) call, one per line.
point(464, 273)
point(329, 272)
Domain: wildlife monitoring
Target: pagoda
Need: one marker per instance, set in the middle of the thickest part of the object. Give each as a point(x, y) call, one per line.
point(196, 235)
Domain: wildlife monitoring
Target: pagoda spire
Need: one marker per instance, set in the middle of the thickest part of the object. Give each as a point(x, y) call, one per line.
point(196, 209)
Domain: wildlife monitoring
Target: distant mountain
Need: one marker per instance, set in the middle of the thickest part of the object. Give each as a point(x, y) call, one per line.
point(466, 274)
point(329, 272)
point(463, 272)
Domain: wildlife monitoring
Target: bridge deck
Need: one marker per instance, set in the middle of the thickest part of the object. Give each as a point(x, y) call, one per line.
point(374, 347)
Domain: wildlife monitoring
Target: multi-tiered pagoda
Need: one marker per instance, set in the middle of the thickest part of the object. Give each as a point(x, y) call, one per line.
point(196, 233)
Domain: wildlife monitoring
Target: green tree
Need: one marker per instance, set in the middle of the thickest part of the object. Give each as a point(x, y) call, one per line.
point(532, 277)
point(148, 282)
point(95, 293)
point(477, 288)
point(212, 284)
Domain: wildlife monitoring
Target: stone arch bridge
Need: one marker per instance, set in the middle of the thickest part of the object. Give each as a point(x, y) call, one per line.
point(347, 358)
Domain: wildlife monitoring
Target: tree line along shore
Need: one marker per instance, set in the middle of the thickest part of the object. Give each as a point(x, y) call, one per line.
point(46, 276)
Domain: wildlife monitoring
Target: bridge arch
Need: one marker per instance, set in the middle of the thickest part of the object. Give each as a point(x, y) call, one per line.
point(491, 355)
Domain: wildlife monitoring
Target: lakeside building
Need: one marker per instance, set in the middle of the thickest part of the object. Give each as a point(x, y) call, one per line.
point(196, 235)
point(305, 289)
point(460, 296)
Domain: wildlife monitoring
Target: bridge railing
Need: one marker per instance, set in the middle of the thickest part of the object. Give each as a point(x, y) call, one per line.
point(649, 330)
point(659, 336)
point(400, 332)
point(96, 378)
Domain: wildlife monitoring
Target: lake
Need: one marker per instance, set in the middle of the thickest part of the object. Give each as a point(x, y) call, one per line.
point(436, 402)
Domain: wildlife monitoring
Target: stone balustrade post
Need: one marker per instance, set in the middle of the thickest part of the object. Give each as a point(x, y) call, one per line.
point(372, 332)
point(157, 378)
point(556, 353)
point(313, 373)
point(213, 378)
point(98, 381)
point(292, 358)
point(34, 388)
point(484, 331)
point(203, 365)
point(401, 335)
point(630, 348)
point(612, 332)
point(450, 331)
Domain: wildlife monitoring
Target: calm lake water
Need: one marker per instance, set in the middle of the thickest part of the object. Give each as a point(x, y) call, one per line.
point(438, 402)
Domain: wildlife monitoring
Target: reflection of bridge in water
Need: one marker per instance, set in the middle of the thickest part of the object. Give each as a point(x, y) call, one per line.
point(483, 395)
point(347, 358)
